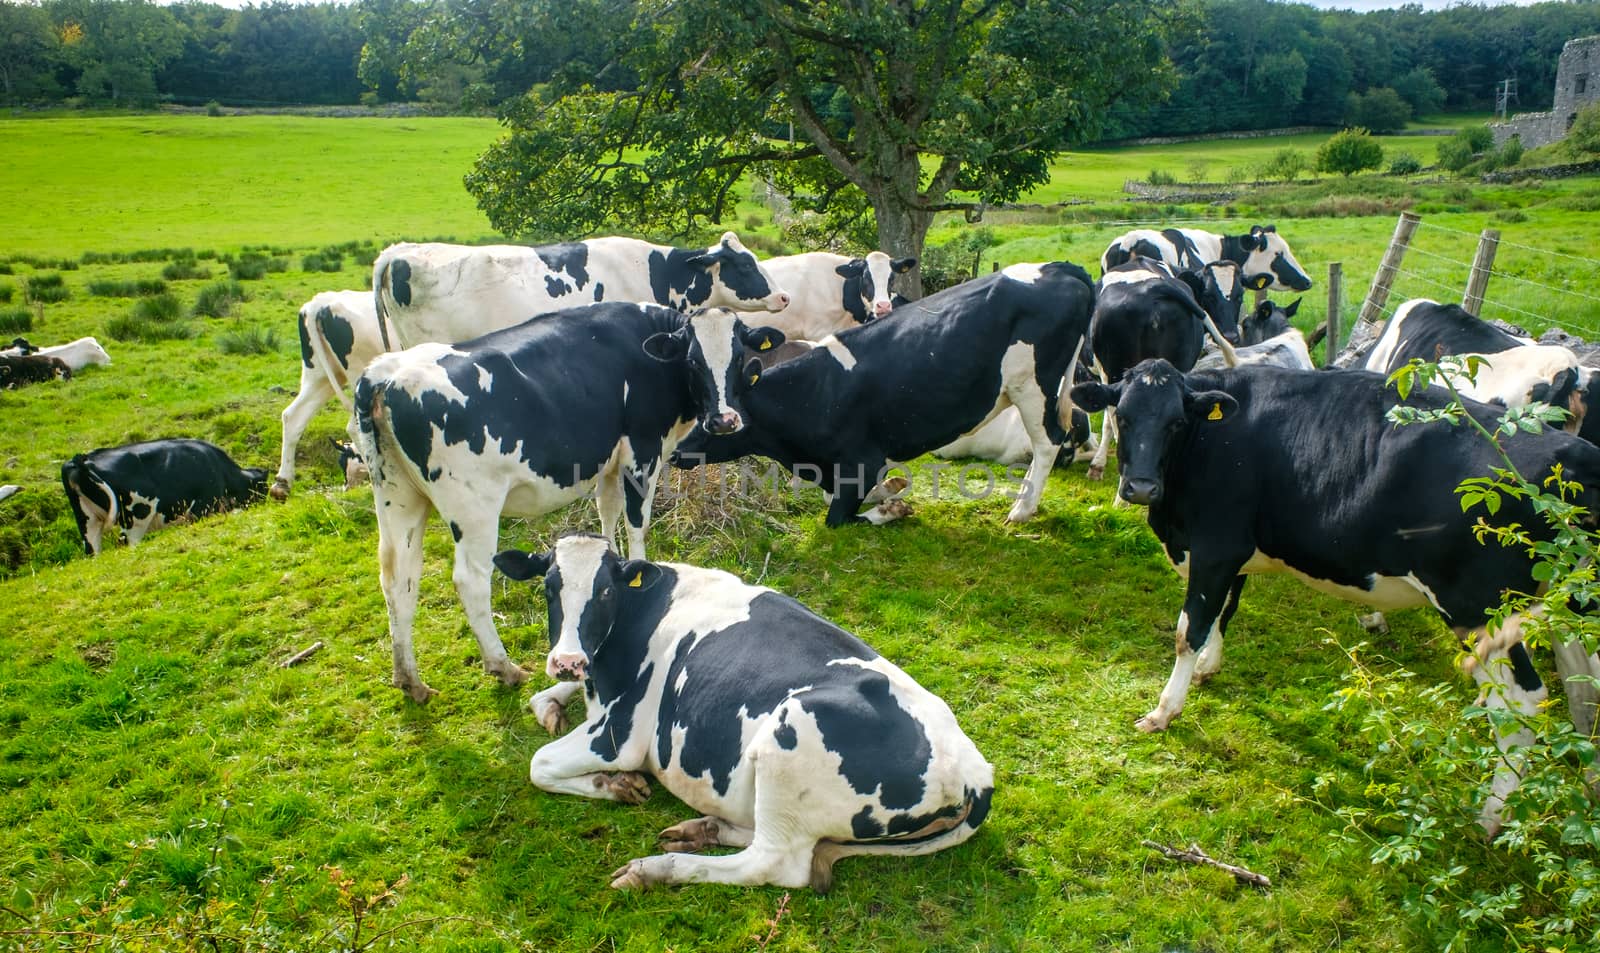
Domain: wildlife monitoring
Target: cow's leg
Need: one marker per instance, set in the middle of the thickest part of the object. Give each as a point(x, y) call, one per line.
point(1209, 661)
point(608, 500)
point(479, 533)
point(550, 706)
point(639, 482)
point(1572, 660)
point(779, 851)
point(1031, 404)
point(694, 836)
point(1204, 617)
point(315, 391)
point(402, 519)
point(569, 765)
point(1102, 453)
point(1507, 681)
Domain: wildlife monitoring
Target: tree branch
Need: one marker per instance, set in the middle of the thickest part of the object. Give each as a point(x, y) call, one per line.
point(1194, 855)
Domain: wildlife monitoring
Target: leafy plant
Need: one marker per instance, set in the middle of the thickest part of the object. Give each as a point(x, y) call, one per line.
point(16, 321)
point(255, 339)
point(47, 288)
point(106, 288)
point(184, 269)
point(1285, 165)
point(1404, 163)
point(217, 299)
point(1161, 177)
point(1349, 151)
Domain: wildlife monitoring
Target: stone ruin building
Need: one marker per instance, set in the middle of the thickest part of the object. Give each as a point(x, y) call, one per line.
point(1577, 85)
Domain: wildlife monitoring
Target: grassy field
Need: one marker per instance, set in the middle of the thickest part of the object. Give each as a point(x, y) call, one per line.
point(163, 780)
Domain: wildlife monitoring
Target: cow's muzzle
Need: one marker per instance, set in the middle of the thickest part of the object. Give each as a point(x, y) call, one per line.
point(1142, 492)
point(777, 301)
point(567, 668)
point(723, 424)
point(881, 308)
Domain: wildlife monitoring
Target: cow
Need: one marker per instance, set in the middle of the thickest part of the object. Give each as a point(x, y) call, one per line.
point(1267, 321)
point(830, 293)
point(18, 372)
point(77, 355)
point(1515, 370)
point(528, 419)
point(798, 742)
point(350, 464)
point(443, 293)
point(142, 487)
point(339, 337)
point(9, 490)
point(1145, 308)
point(1263, 257)
point(1287, 350)
point(893, 390)
point(1261, 469)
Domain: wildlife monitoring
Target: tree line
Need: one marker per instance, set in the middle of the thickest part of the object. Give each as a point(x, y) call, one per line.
point(1237, 64)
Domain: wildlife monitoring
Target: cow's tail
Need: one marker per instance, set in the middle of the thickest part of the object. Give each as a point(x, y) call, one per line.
point(1230, 357)
point(390, 279)
point(77, 475)
point(1064, 406)
point(946, 831)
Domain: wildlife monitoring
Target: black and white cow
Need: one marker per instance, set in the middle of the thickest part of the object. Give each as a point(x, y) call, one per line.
point(1268, 320)
point(893, 390)
point(528, 419)
point(1263, 257)
point(797, 741)
point(1268, 339)
point(1144, 308)
point(1260, 469)
point(829, 293)
point(444, 293)
point(141, 487)
point(77, 355)
point(1515, 370)
point(339, 337)
point(18, 372)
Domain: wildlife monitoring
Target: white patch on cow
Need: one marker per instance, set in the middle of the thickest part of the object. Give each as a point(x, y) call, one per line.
point(1509, 377)
point(880, 268)
point(624, 392)
point(713, 328)
point(485, 379)
point(840, 353)
point(1131, 276)
point(76, 355)
point(1387, 593)
point(1226, 275)
point(417, 369)
point(139, 527)
point(577, 559)
point(1383, 352)
point(1026, 272)
point(1285, 350)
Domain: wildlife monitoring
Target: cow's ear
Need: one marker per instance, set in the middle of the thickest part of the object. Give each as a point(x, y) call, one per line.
point(637, 574)
point(902, 265)
point(752, 372)
point(667, 347)
point(1095, 396)
point(704, 261)
point(852, 268)
point(1195, 281)
point(1260, 282)
point(761, 339)
point(1212, 405)
point(1264, 310)
point(1291, 309)
point(522, 566)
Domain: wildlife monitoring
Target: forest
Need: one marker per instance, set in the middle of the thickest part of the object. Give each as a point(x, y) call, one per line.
point(1238, 64)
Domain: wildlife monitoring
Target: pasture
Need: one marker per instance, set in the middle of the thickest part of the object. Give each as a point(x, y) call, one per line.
point(163, 780)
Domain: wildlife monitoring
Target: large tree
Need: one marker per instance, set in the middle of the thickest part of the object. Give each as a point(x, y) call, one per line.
point(900, 108)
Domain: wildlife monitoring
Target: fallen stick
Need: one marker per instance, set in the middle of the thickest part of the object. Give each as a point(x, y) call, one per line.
point(301, 655)
point(1194, 855)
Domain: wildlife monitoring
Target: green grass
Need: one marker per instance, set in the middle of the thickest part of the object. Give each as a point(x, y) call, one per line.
point(154, 756)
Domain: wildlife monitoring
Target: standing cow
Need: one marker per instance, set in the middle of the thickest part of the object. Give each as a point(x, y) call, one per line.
point(797, 742)
point(829, 293)
point(1262, 255)
point(526, 420)
point(444, 293)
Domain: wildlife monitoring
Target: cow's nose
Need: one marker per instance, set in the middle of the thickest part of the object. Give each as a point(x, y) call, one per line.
point(778, 302)
point(1232, 337)
point(881, 308)
point(1142, 492)
point(568, 668)
point(725, 423)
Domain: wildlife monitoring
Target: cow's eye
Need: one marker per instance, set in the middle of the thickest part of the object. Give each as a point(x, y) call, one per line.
point(606, 592)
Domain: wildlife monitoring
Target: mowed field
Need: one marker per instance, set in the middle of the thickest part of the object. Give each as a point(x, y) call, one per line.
point(163, 779)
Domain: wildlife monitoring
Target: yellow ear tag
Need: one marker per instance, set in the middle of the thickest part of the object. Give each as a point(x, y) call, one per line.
point(765, 344)
point(754, 378)
point(637, 580)
point(1216, 412)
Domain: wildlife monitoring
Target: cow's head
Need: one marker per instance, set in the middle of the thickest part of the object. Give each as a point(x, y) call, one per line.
point(1156, 410)
point(1268, 262)
point(737, 279)
point(720, 353)
point(1220, 293)
point(1267, 321)
point(585, 584)
point(868, 284)
point(256, 477)
point(350, 463)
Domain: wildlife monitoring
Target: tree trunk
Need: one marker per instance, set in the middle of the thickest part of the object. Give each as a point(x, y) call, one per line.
point(901, 233)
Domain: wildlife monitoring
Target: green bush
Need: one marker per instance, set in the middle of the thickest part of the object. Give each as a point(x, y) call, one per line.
point(184, 269)
point(47, 288)
point(6, 269)
point(1404, 163)
point(127, 289)
point(1455, 153)
point(1286, 165)
point(1378, 110)
point(217, 299)
point(1480, 137)
point(16, 321)
point(1348, 152)
point(253, 266)
point(1160, 177)
point(255, 339)
point(213, 108)
point(954, 261)
point(1584, 136)
point(6, 291)
point(1510, 153)
point(161, 307)
point(321, 261)
point(132, 328)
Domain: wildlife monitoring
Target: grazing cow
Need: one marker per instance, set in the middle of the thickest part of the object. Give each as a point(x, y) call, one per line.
point(1260, 469)
point(77, 355)
point(444, 293)
point(339, 337)
point(830, 292)
point(1515, 370)
point(798, 742)
point(18, 372)
point(141, 487)
point(1144, 308)
point(893, 390)
point(528, 419)
point(1264, 258)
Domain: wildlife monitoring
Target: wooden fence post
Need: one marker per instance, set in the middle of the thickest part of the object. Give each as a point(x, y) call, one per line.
point(1335, 305)
point(1482, 265)
point(1378, 294)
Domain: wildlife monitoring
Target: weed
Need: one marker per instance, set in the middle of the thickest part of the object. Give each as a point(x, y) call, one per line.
point(217, 299)
point(321, 261)
point(132, 328)
point(255, 339)
point(1161, 177)
point(6, 269)
point(47, 289)
point(160, 307)
point(107, 288)
point(185, 269)
point(6, 293)
point(16, 321)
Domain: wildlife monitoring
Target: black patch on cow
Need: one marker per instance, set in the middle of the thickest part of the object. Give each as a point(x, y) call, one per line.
point(599, 290)
point(1288, 275)
point(305, 341)
point(455, 531)
point(1430, 331)
point(1522, 669)
point(620, 669)
point(400, 281)
point(785, 734)
point(1188, 254)
point(341, 337)
point(139, 511)
point(570, 259)
point(555, 286)
point(863, 826)
point(673, 279)
point(893, 760)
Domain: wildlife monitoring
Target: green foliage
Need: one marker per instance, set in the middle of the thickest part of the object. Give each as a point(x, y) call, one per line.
point(253, 266)
point(1161, 177)
point(6, 293)
point(47, 289)
point(956, 260)
point(185, 269)
point(161, 307)
point(1585, 132)
point(213, 108)
point(152, 319)
point(1455, 153)
point(252, 339)
point(1421, 91)
point(1404, 163)
point(322, 261)
point(1286, 165)
point(117, 47)
point(16, 321)
point(110, 288)
point(217, 300)
point(1378, 110)
point(1348, 152)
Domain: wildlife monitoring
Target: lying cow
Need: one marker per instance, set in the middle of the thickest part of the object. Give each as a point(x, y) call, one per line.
point(1260, 469)
point(443, 293)
point(339, 337)
point(141, 487)
point(894, 390)
point(529, 419)
point(798, 742)
point(9, 490)
point(18, 372)
point(77, 355)
point(1288, 350)
point(1263, 257)
point(830, 293)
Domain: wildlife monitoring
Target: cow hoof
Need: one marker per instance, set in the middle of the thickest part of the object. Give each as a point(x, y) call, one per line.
point(510, 675)
point(690, 837)
point(630, 876)
point(552, 715)
point(418, 692)
point(279, 490)
point(896, 485)
point(1021, 514)
point(1152, 723)
point(1096, 473)
point(629, 787)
